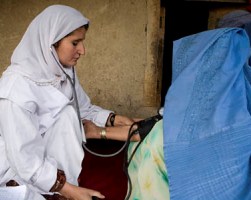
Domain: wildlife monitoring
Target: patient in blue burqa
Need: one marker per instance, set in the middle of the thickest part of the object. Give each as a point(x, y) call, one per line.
point(201, 149)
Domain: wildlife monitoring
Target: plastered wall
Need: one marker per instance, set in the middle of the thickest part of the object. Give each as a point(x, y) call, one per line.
point(120, 70)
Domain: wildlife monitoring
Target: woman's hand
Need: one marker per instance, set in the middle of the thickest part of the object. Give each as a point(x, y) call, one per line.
point(115, 133)
point(91, 130)
point(123, 121)
point(73, 192)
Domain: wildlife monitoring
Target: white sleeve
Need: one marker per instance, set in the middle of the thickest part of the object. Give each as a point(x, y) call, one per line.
point(88, 111)
point(25, 147)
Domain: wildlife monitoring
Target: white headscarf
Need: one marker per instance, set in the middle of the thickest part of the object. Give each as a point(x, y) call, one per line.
point(35, 80)
point(33, 55)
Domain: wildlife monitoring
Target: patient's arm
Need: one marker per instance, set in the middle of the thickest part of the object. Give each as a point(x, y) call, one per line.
point(119, 133)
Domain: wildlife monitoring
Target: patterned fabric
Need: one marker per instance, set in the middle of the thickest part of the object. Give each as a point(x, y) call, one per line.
point(147, 169)
point(207, 122)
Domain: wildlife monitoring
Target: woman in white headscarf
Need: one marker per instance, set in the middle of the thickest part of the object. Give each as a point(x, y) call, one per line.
point(41, 131)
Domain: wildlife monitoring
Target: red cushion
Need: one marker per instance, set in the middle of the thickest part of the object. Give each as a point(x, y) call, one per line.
point(104, 174)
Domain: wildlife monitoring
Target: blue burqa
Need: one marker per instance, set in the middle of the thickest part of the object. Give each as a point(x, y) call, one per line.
point(207, 123)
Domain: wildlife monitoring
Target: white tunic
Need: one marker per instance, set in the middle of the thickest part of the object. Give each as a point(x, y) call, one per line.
point(26, 119)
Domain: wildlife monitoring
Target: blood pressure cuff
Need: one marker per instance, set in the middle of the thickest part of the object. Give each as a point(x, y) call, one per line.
point(146, 125)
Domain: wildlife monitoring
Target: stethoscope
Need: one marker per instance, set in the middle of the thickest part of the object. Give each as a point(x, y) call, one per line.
point(75, 99)
point(72, 82)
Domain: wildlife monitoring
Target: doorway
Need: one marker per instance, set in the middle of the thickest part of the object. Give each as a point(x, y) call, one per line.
point(182, 18)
